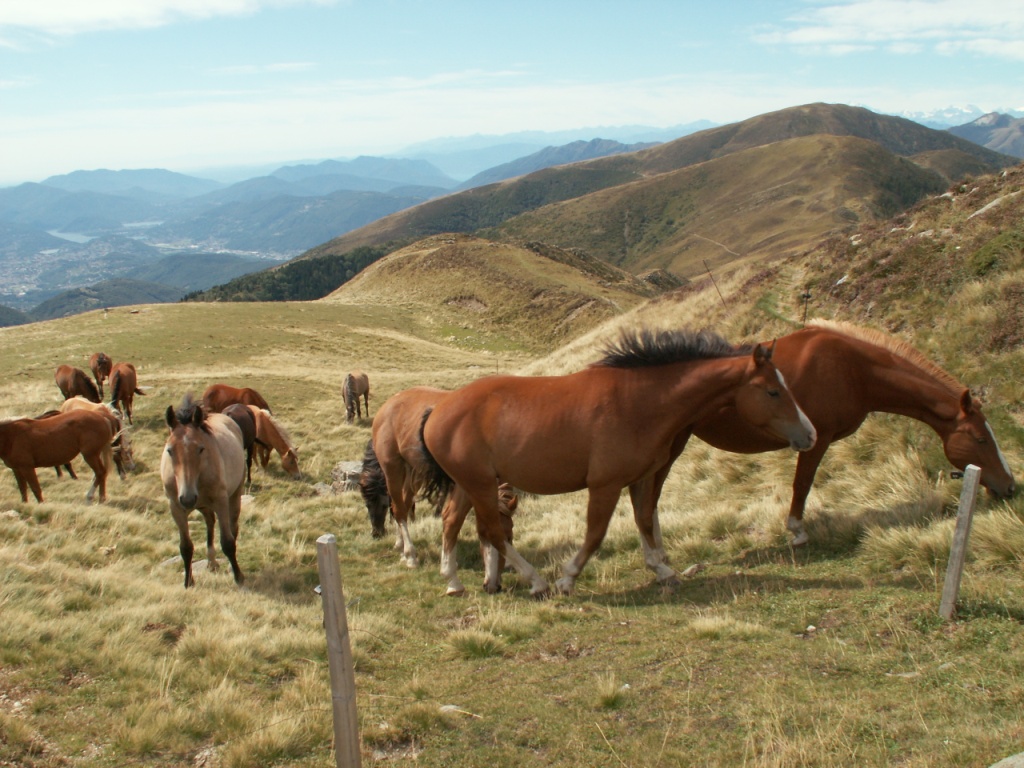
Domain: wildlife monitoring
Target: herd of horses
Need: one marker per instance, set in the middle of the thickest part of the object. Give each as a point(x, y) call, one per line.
point(620, 423)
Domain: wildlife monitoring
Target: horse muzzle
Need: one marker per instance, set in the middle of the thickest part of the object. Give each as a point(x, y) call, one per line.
point(188, 501)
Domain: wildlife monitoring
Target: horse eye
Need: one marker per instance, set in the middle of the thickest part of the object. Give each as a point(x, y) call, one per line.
point(773, 393)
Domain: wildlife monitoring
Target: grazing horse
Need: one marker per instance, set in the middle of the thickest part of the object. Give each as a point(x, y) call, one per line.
point(356, 385)
point(394, 460)
point(100, 364)
point(271, 435)
point(839, 373)
point(240, 414)
point(203, 467)
point(74, 381)
point(123, 388)
point(619, 423)
point(50, 442)
point(124, 459)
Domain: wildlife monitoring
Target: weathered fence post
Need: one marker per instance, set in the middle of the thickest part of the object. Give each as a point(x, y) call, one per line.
point(958, 551)
point(339, 655)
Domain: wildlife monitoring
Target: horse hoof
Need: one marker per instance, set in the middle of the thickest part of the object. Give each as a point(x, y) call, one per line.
point(800, 539)
point(565, 585)
point(410, 562)
point(458, 591)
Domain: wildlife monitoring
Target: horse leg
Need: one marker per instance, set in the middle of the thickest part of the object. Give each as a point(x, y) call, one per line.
point(33, 483)
point(402, 506)
point(644, 495)
point(806, 467)
point(185, 546)
point(22, 477)
point(453, 515)
point(229, 534)
point(211, 553)
point(99, 462)
point(600, 506)
point(492, 531)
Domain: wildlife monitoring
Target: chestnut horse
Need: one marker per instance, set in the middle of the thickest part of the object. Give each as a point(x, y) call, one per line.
point(619, 423)
point(50, 442)
point(271, 435)
point(217, 397)
point(839, 373)
point(100, 364)
point(122, 443)
point(203, 467)
point(356, 385)
point(394, 460)
point(74, 381)
point(123, 388)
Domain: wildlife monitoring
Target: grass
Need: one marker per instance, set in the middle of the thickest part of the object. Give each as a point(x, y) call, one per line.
point(831, 655)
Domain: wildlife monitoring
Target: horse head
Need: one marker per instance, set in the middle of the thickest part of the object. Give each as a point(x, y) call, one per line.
point(765, 402)
point(184, 450)
point(972, 441)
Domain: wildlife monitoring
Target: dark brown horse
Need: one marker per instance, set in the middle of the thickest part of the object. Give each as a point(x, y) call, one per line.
point(242, 416)
point(620, 423)
point(203, 467)
point(356, 385)
point(74, 382)
point(395, 468)
point(100, 364)
point(217, 397)
point(53, 441)
point(840, 373)
point(124, 387)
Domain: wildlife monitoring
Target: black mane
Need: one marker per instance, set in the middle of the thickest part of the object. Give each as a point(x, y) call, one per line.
point(186, 411)
point(643, 348)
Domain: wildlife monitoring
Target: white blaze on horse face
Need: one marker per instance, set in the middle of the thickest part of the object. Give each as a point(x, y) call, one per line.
point(806, 442)
point(999, 453)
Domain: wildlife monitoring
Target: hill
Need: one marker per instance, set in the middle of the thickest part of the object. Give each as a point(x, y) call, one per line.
point(157, 182)
point(109, 293)
point(9, 317)
point(490, 206)
point(1001, 133)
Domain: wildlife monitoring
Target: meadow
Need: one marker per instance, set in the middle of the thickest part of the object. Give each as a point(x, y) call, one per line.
point(831, 654)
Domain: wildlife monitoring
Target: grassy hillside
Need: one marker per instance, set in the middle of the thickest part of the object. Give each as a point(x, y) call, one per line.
point(492, 205)
point(829, 655)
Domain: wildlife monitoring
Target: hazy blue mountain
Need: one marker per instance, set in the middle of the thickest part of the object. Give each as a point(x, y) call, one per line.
point(198, 271)
point(574, 152)
point(49, 208)
point(398, 171)
point(9, 317)
point(109, 293)
point(1002, 133)
point(158, 181)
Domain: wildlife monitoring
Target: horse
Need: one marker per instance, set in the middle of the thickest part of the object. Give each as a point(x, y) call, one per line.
point(100, 364)
point(217, 397)
point(619, 423)
point(394, 469)
point(74, 381)
point(356, 385)
point(203, 467)
point(123, 388)
point(271, 435)
point(839, 373)
point(124, 458)
point(246, 422)
point(50, 442)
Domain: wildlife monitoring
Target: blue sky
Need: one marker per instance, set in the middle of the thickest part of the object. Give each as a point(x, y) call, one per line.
point(191, 84)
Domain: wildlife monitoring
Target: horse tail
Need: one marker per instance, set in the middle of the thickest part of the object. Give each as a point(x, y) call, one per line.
point(437, 483)
point(115, 388)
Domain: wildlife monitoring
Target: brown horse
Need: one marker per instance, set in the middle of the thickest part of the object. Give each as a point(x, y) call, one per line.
point(217, 397)
point(203, 467)
point(74, 382)
point(356, 385)
point(271, 435)
point(840, 373)
point(394, 460)
point(246, 422)
point(50, 442)
point(123, 388)
point(100, 364)
point(124, 458)
point(620, 423)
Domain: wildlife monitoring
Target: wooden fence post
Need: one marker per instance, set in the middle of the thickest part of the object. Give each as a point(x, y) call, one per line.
point(958, 551)
point(339, 655)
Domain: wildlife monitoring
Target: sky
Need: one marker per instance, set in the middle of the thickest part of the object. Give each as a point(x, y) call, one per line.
point(198, 84)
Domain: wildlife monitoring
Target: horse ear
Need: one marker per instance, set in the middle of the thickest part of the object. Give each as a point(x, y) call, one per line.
point(172, 420)
point(198, 416)
point(966, 402)
point(761, 355)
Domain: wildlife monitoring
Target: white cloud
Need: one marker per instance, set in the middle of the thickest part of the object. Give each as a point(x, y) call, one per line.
point(69, 17)
point(982, 27)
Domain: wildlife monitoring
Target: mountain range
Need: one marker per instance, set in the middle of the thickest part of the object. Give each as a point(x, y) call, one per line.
point(756, 189)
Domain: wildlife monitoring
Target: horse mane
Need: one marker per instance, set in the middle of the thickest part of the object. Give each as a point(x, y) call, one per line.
point(186, 411)
point(280, 429)
point(645, 347)
point(88, 384)
point(898, 347)
point(372, 484)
